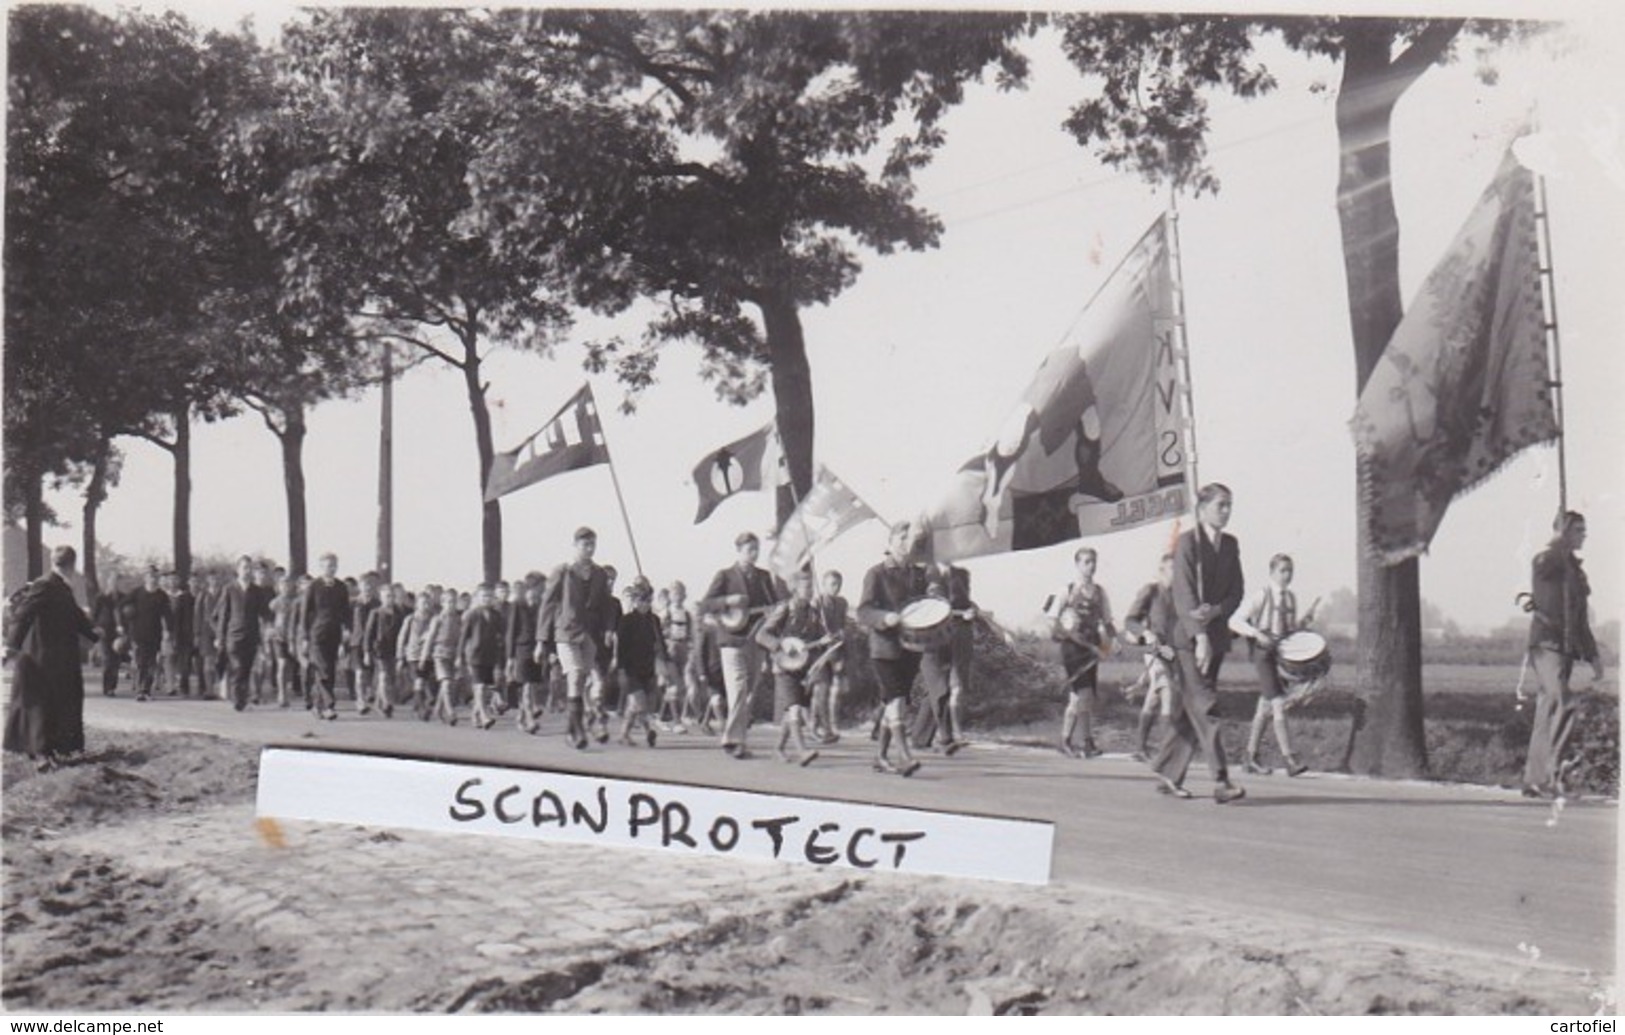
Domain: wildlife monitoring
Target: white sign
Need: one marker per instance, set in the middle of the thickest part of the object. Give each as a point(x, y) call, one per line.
point(548, 806)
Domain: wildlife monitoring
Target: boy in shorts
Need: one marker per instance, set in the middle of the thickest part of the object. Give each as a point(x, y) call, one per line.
point(413, 648)
point(481, 650)
point(640, 650)
point(801, 618)
point(445, 635)
point(1265, 621)
point(1150, 623)
point(829, 682)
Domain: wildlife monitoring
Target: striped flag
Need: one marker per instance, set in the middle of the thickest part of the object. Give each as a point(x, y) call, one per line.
point(830, 509)
point(572, 439)
point(1463, 385)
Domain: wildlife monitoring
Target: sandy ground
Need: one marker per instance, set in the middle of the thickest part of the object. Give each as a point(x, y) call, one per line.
point(138, 878)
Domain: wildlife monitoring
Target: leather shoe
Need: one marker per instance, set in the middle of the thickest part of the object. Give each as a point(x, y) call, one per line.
point(1252, 765)
point(1228, 792)
point(1173, 790)
point(1295, 767)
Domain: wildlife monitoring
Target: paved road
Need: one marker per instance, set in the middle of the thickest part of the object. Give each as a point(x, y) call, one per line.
point(1470, 868)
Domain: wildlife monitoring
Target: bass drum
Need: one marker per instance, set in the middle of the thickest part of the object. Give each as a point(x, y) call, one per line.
point(924, 624)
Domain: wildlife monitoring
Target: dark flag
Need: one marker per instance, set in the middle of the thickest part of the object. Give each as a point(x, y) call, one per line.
point(748, 465)
point(571, 440)
point(1464, 384)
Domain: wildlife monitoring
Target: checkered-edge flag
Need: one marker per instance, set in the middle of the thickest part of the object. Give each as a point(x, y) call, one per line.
point(572, 439)
point(830, 509)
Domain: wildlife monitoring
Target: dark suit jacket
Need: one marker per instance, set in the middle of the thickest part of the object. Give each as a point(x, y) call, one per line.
point(760, 591)
point(521, 636)
point(152, 615)
point(887, 587)
point(327, 611)
point(576, 609)
point(1204, 574)
point(238, 616)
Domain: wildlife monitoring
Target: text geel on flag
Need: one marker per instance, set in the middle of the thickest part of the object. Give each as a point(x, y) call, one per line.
point(1097, 442)
point(572, 439)
point(1463, 384)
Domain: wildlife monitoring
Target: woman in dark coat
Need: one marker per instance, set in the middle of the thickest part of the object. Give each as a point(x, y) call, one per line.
point(47, 715)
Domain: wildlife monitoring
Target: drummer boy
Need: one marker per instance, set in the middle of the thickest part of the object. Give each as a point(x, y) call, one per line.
point(800, 619)
point(1265, 621)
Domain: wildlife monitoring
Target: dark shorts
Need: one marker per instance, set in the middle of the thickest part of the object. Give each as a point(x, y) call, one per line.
point(896, 675)
point(789, 688)
point(1269, 677)
point(1081, 677)
point(425, 669)
point(485, 675)
point(529, 671)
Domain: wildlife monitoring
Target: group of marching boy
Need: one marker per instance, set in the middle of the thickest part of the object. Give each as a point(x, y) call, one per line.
point(565, 642)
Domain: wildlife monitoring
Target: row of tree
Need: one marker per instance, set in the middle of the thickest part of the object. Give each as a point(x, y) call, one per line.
point(199, 224)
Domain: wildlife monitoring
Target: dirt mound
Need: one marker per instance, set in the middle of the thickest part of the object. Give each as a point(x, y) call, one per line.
point(877, 947)
point(83, 933)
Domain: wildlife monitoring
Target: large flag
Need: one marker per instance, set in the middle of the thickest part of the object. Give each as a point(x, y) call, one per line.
point(1463, 384)
point(1097, 443)
point(571, 440)
point(748, 465)
point(829, 509)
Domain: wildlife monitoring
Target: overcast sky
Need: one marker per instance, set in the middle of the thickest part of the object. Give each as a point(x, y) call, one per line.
point(916, 365)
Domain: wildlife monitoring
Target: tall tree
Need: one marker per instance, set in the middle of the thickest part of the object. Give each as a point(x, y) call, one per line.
point(1151, 116)
point(791, 140)
point(114, 257)
point(402, 113)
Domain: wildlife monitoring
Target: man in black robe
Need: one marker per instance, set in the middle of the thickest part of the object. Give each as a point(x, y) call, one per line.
point(47, 715)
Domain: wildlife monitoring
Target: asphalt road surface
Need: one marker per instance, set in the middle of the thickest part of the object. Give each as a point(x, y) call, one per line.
point(1468, 868)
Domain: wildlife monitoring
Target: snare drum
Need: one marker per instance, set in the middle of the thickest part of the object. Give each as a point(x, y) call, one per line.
point(1303, 656)
point(924, 624)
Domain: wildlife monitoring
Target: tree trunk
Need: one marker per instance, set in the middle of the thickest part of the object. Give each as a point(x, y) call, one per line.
point(95, 494)
point(1388, 737)
point(34, 522)
point(491, 524)
point(183, 491)
point(792, 394)
point(292, 440)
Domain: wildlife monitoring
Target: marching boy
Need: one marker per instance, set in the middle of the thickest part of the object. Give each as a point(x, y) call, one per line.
point(481, 649)
point(1270, 617)
point(640, 650)
point(800, 618)
point(414, 649)
point(445, 636)
point(1150, 622)
point(829, 682)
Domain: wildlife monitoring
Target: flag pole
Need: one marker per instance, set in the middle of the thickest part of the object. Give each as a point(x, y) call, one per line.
point(1554, 343)
point(1182, 353)
point(615, 480)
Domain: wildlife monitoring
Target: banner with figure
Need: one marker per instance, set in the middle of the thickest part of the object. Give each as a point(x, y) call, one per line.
point(572, 439)
point(829, 510)
point(750, 464)
point(1097, 443)
point(1463, 384)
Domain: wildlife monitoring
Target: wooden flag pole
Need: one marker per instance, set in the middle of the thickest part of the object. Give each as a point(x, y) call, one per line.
point(615, 480)
point(1554, 345)
point(1183, 353)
